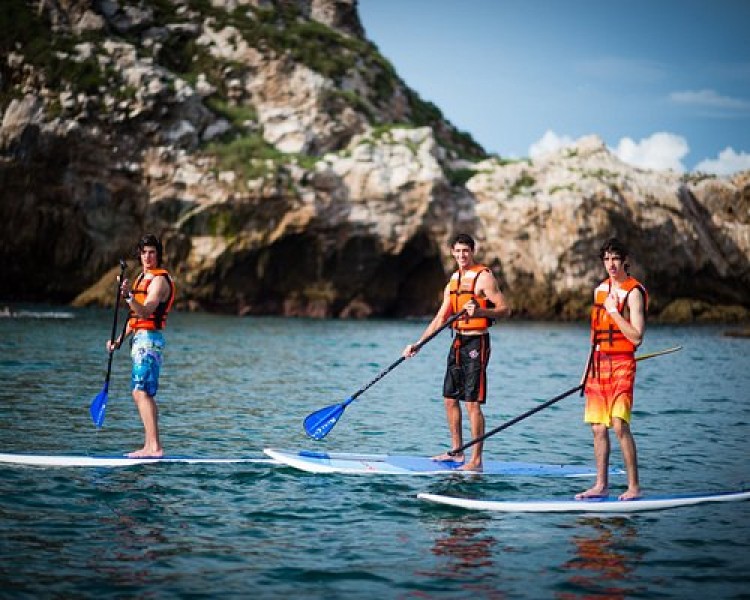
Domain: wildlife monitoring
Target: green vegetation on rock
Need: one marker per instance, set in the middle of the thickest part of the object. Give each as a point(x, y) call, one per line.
point(521, 184)
point(24, 31)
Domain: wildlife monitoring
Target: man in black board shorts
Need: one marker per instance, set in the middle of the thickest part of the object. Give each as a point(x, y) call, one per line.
point(473, 288)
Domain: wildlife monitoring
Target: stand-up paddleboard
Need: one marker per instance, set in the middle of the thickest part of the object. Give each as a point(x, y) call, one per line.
point(601, 505)
point(27, 314)
point(383, 464)
point(73, 460)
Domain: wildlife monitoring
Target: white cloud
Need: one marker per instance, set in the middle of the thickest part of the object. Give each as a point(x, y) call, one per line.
point(709, 99)
point(727, 163)
point(549, 142)
point(660, 151)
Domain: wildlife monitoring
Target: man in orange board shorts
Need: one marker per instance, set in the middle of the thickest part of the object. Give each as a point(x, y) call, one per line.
point(618, 323)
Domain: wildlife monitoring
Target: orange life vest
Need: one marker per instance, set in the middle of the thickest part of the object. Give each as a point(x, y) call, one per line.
point(158, 319)
point(605, 334)
point(461, 291)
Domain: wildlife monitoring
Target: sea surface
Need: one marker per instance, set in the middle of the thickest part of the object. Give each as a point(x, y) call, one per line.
point(232, 386)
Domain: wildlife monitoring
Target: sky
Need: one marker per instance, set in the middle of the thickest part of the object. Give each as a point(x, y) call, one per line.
point(665, 83)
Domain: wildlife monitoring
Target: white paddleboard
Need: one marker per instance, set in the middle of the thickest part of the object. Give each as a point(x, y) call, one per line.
point(27, 314)
point(73, 460)
point(384, 464)
point(609, 505)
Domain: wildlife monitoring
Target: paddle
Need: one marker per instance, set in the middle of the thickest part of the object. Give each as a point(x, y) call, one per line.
point(548, 403)
point(589, 362)
point(99, 403)
point(319, 424)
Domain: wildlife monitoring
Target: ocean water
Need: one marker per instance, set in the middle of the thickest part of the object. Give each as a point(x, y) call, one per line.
point(232, 386)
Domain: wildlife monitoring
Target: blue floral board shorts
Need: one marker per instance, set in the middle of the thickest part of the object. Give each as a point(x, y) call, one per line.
point(146, 351)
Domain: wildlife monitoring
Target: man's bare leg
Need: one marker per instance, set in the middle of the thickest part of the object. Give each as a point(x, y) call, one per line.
point(453, 415)
point(601, 454)
point(150, 416)
point(476, 417)
point(630, 457)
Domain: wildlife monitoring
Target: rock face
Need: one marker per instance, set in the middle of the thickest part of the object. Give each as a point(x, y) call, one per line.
point(290, 171)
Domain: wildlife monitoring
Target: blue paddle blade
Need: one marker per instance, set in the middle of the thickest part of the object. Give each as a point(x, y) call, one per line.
point(319, 424)
point(99, 406)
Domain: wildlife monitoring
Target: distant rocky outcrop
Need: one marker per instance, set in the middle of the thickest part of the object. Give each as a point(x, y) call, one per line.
point(290, 171)
point(544, 221)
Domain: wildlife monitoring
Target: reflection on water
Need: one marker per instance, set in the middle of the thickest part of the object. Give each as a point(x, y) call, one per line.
point(603, 561)
point(465, 547)
point(132, 519)
point(602, 566)
point(466, 553)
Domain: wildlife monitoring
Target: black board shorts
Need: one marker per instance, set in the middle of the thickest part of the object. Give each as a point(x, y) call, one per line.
point(466, 372)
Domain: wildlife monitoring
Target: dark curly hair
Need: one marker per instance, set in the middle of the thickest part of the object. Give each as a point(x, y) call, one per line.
point(151, 240)
point(463, 238)
point(613, 246)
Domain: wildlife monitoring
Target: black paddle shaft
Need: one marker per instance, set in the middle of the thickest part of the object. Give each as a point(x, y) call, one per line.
point(550, 402)
point(515, 420)
point(401, 359)
point(589, 363)
point(123, 266)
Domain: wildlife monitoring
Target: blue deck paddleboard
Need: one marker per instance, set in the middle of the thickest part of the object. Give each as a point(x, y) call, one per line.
point(384, 464)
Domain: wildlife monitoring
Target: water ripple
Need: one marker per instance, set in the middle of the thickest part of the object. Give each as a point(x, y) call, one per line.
point(233, 386)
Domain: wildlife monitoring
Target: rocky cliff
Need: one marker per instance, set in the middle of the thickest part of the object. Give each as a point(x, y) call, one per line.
point(290, 171)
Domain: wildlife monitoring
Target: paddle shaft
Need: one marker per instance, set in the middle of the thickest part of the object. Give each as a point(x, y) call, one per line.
point(318, 424)
point(588, 368)
point(123, 266)
point(401, 359)
point(548, 403)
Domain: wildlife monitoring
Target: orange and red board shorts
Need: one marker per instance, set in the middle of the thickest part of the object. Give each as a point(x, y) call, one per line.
point(609, 388)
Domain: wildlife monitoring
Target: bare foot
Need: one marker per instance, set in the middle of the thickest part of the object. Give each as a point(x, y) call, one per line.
point(594, 492)
point(445, 457)
point(630, 494)
point(472, 466)
point(146, 453)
